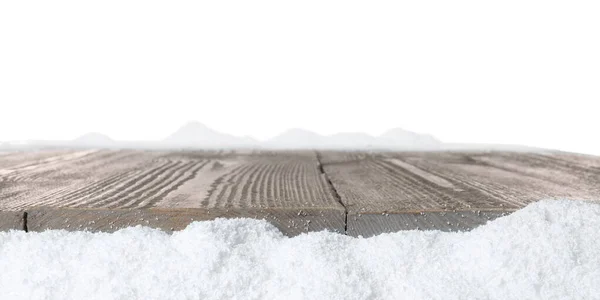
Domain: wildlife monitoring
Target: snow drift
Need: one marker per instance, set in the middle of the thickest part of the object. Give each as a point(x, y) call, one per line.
point(548, 250)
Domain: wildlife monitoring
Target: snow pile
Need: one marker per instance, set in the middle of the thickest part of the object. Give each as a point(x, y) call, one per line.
point(549, 250)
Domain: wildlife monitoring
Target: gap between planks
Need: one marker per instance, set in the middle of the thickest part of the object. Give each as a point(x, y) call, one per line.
point(334, 191)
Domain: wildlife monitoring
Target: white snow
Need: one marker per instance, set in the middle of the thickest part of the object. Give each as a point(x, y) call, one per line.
point(548, 250)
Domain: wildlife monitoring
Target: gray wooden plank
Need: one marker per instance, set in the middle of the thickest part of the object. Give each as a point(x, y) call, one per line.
point(392, 191)
point(291, 222)
point(16, 159)
point(397, 182)
point(369, 184)
point(367, 225)
point(378, 185)
point(71, 179)
point(11, 221)
point(52, 180)
point(284, 179)
point(174, 179)
point(516, 179)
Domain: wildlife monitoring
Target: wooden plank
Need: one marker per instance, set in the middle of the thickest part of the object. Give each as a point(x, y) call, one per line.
point(17, 159)
point(92, 180)
point(53, 181)
point(516, 178)
point(438, 183)
point(367, 225)
point(291, 222)
point(388, 189)
point(271, 179)
point(400, 182)
point(176, 179)
point(374, 185)
point(141, 188)
point(11, 220)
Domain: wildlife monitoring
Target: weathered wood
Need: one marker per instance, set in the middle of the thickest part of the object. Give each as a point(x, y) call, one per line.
point(438, 183)
point(368, 184)
point(60, 176)
point(517, 178)
point(289, 221)
point(143, 179)
point(375, 185)
point(397, 182)
point(367, 225)
point(11, 220)
point(272, 179)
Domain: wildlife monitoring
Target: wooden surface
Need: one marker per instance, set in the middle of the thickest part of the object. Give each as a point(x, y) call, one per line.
point(381, 190)
point(137, 179)
point(11, 220)
point(289, 221)
point(375, 192)
point(367, 225)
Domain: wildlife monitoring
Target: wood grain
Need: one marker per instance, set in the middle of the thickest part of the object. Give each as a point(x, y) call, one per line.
point(381, 191)
point(398, 182)
point(143, 179)
point(386, 192)
point(11, 220)
point(63, 177)
point(272, 179)
point(367, 225)
point(291, 222)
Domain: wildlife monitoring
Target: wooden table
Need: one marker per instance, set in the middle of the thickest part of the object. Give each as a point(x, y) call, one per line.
point(356, 193)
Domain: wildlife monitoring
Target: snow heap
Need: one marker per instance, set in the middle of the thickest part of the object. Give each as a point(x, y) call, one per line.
point(548, 250)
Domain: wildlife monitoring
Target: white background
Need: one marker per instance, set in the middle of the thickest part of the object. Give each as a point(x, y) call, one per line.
point(518, 72)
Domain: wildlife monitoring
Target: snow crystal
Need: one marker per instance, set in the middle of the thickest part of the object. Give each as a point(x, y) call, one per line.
point(548, 250)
